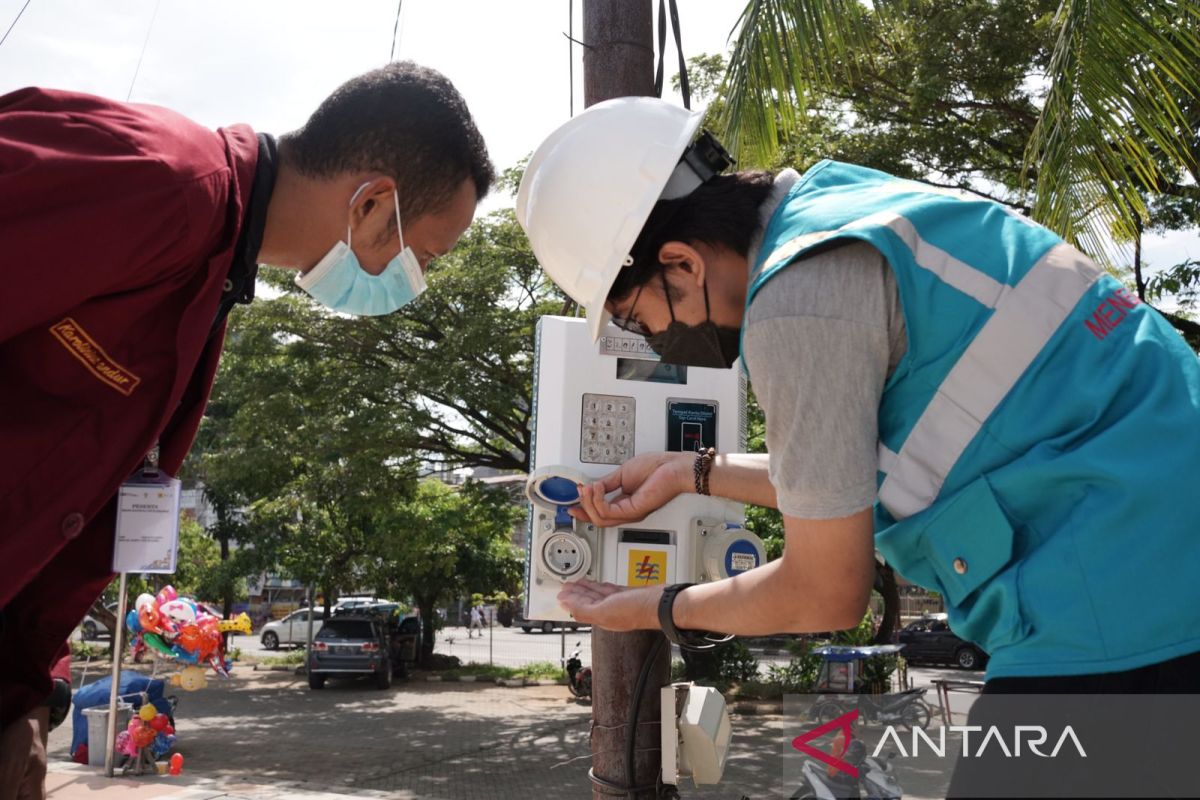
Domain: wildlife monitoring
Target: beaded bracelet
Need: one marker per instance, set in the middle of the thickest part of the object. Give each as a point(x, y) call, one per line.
point(701, 467)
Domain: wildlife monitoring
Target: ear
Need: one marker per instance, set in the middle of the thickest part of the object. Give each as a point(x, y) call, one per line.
point(683, 258)
point(374, 192)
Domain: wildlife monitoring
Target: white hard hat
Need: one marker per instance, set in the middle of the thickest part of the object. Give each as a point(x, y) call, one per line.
point(591, 185)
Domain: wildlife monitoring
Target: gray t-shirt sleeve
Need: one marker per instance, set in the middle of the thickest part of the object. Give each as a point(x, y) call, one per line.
point(821, 338)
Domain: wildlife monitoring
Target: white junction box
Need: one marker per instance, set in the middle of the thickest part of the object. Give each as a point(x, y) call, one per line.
point(596, 405)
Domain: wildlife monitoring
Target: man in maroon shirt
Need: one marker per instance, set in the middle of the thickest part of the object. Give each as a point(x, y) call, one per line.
point(127, 232)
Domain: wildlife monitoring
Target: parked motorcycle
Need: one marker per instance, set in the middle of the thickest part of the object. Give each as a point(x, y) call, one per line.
point(579, 677)
point(875, 780)
point(907, 709)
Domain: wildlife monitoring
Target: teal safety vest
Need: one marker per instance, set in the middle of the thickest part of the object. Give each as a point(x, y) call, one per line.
point(1039, 453)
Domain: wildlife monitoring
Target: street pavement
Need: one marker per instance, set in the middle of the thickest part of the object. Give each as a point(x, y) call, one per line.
point(266, 735)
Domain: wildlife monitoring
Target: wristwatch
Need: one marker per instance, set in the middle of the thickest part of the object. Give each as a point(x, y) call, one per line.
point(666, 618)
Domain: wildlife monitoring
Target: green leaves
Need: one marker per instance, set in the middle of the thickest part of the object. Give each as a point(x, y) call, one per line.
point(782, 47)
point(319, 425)
point(449, 540)
point(1114, 119)
point(1077, 110)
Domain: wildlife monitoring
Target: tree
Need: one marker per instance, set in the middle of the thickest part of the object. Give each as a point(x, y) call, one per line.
point(451, 375)
point(1081, 113)
point(444, 542)
point(197, 561)
point(319, 424)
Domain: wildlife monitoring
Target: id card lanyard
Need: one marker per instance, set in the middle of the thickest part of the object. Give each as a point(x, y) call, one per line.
point(147, 520)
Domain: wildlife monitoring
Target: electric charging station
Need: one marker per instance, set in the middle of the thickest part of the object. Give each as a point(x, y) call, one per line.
point(596, 405)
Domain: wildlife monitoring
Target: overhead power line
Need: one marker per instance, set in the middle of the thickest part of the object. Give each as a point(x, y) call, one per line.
point(142, 55)
point(14, 22)
point(395, 30)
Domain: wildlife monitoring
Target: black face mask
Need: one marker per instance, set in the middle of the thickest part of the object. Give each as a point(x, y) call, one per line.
point(703, 345)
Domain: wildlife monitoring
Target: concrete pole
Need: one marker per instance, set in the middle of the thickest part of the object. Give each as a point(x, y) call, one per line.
point(618, 61)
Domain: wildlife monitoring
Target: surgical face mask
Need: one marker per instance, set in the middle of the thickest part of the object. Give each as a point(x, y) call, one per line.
point(339, 282)
point(703, 345)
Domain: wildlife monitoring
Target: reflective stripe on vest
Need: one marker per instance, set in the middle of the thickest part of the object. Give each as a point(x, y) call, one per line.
point(1024, 319)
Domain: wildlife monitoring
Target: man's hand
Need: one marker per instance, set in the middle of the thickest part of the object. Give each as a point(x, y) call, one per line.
point(612, 607)
point(647, 483)
point(23, 757)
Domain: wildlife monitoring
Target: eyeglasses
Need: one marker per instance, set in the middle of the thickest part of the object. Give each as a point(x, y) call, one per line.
point(630, 323)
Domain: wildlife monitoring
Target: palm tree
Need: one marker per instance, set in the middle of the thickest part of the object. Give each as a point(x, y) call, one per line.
point(1119, 118)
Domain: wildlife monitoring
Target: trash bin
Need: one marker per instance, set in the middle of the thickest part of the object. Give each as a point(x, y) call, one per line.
point(97, 726)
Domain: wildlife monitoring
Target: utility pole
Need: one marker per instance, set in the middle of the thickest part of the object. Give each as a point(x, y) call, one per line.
point(618, 61)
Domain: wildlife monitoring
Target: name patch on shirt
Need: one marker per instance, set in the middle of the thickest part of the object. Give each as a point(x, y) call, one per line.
point(92, 356)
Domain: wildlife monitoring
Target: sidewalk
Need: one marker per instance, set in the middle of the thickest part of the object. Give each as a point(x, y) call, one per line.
point(67, 781)
point(266, 736)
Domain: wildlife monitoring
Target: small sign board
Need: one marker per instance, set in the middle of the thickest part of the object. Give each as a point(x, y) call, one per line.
point(147, 538)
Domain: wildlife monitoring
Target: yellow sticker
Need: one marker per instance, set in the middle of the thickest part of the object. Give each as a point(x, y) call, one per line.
point(647, 567)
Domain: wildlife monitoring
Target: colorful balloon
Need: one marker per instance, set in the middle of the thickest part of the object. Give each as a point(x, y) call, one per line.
point(176, 763)
point(144, 737)
point(239, 624)
point(177, 628)
point(147, 712)
point(155, 642)
point(125, 744)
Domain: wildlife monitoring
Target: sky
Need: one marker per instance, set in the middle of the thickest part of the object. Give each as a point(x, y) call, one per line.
point(269, 63)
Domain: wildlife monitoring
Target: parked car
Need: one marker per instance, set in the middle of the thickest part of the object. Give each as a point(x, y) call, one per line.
point(292, 629)
point(545, 625)
point(929, 640)
point(92, 628)
point(351, 645)
point(356, 601)
point(403, 629)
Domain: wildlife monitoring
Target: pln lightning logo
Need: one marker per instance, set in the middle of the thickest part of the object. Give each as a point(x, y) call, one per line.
point(647, 570)
point(844, 723)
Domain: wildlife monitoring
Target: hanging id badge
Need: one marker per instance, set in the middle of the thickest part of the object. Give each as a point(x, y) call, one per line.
point(147, 520)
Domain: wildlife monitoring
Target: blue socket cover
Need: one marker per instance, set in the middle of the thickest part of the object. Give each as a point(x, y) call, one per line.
point(740, 556)
point(560, 492)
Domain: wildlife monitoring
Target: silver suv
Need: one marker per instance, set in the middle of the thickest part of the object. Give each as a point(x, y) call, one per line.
point(351, 645)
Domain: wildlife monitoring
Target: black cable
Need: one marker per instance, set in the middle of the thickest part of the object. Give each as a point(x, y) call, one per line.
point(14, 22)
point(683, 78)
point(662, 45)
point(635, 707)
point(684, 86)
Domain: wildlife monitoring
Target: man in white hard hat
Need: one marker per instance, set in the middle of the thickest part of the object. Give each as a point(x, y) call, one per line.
point(943, 381)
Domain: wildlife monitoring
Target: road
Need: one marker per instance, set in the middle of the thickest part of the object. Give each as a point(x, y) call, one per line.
point(508, 646)
point(511, 647)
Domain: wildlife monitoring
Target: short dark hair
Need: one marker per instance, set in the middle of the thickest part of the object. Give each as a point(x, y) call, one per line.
point(404, 120)
point(723, 211)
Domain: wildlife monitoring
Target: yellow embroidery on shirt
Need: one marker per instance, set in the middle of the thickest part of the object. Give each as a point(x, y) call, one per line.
point(92, 356)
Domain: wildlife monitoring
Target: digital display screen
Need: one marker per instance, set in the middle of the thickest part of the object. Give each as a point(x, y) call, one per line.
point(691, 425)
point(637, 369)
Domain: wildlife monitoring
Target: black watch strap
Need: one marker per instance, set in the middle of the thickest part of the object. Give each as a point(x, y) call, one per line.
point(666, 606)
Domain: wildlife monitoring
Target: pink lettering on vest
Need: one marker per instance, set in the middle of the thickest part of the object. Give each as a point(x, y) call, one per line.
point(1110, 313)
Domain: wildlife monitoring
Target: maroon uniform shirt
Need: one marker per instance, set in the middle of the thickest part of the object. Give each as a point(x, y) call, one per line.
point(118, 227)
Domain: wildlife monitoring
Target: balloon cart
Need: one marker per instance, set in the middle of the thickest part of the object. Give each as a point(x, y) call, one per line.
point(174, 631)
